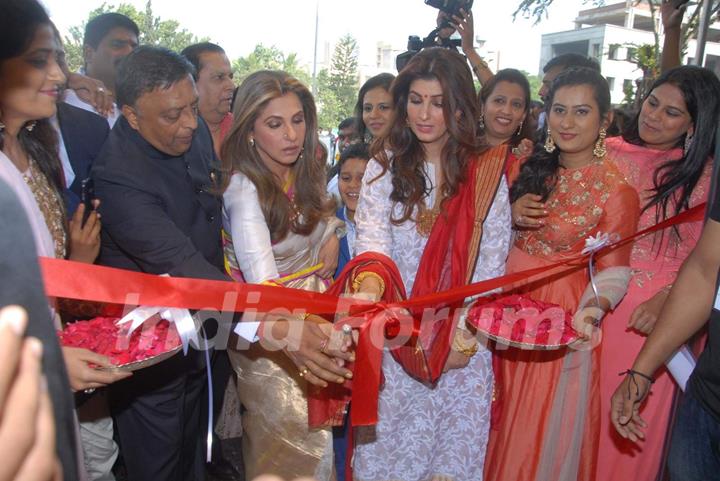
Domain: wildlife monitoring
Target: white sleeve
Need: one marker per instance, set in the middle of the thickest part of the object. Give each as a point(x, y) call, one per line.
point(372, 218)
point(249, 231)
point(251, 241)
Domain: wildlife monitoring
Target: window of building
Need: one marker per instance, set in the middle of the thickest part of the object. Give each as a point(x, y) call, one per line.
point(611, 83)
point(596, 51)
point(613, 51)
point(627, 85)
point(631, 54)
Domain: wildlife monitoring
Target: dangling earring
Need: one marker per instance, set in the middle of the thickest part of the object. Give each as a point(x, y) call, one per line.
point(519, 128)
point(600, 150)
point(30, 126)
point(687, 144)
point(481, 121)
point(302, 151)
point(549, 143)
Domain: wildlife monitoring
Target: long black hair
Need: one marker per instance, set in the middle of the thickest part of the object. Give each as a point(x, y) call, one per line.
point(675, 180)
point(18, 24)
point(538, 174)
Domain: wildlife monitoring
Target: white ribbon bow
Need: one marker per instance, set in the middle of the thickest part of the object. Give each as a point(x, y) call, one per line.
point(594, 244)
point(184, 323)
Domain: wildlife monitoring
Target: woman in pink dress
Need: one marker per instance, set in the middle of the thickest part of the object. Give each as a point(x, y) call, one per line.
point(665, 155)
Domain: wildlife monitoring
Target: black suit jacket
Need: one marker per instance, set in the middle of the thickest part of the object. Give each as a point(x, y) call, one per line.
point(84, 134)
point(21, 284)
point(160, 213)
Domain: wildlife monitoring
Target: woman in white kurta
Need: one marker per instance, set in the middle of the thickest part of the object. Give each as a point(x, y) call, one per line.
point(430, 431)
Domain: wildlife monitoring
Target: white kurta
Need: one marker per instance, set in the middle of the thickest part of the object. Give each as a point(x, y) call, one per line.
point(426, 431)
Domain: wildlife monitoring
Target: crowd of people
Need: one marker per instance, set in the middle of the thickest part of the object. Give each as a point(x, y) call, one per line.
point(153, 161)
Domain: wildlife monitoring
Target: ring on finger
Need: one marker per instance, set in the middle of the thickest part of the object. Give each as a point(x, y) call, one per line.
point(303, 371)
point(323, 345)
point(519, 219)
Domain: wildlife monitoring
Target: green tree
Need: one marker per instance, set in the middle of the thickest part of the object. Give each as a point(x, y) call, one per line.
point(327, 102)
point(338, 87)
point(538, 9)
point(535, 81)
point(153, 31)
point(269, 58)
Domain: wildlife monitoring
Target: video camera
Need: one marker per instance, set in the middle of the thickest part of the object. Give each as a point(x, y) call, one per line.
point(451, 8)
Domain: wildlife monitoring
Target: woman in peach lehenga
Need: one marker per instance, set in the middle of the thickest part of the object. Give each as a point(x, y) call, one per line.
point(670, 138)
point(546, 418)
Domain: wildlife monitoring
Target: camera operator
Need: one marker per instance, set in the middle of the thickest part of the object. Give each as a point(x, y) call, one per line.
point(455, 17)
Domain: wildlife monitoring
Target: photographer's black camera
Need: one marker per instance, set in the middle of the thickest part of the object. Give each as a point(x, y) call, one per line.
point(451, 7)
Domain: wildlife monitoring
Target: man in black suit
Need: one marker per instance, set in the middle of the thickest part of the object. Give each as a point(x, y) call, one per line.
point(81, 136)
point(155, 178)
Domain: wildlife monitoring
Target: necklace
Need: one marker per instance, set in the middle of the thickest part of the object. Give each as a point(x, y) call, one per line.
point(426, 217)
point(288, 188)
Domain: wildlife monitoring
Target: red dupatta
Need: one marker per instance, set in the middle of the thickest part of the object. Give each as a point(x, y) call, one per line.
point(448, 261)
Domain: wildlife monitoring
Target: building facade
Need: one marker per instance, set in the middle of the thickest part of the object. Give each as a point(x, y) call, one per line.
point(611, 34)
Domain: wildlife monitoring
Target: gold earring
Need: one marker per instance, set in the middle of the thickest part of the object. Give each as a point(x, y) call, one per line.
point(252, 142)
point(600, 150)
point(549, 143)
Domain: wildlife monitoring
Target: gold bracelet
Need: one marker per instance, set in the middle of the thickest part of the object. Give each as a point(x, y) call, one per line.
point(481, 64)
point(364, 275)
point(466, 351)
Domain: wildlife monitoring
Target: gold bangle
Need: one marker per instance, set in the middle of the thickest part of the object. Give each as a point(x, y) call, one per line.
point(466, 351)
point(364, 275)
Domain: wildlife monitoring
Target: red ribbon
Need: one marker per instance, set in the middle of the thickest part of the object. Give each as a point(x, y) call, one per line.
point(108, 285)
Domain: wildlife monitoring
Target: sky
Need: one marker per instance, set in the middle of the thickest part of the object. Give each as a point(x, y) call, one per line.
point(238, 25)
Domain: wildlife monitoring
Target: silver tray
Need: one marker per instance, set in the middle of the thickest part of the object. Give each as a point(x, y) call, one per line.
point(147, 362)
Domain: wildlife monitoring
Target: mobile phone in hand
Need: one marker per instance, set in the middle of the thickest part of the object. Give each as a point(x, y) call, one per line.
point(87, 195)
